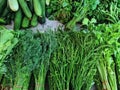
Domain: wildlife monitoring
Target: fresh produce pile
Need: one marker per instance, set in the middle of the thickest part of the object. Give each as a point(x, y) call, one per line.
point(108, 65)
point(31, 54)
point(72, 65)
point(24, 13)
point(72, 12)
point(70, 59)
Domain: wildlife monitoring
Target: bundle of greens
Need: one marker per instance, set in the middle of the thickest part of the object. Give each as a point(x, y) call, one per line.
point(7, 42)
point(31, 54)
point(70, 12)
point(108, 61)
point(108, 11)
point(85, 66)
point(19, 62)
point(72, 64)
point(117, 55)
point(48, 44)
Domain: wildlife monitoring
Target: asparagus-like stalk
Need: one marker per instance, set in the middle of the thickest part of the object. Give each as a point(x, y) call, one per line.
point(117, 56)
point(21, 81)
point(82, 10)
point(111, 74)
point(40, 77)
point(26, 82)
point(103, 74)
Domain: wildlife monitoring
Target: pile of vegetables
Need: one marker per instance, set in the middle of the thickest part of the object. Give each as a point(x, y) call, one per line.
point(72, 12)
point(70, 59)
point(24, 13)
point(30, 55)
point(72, 65)
point(108, 61)
point(65, 59)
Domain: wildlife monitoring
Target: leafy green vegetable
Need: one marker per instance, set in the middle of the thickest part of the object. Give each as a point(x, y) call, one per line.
point(71, 65)
point(7, 42)
point(48, 44)
point(107, 11)
point(31, 54)
point(108, 35)
point(19, 62)
point(70, 12)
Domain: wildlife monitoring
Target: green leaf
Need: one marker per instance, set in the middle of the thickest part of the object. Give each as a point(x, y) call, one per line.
point(85, 21)
point(94, 4)
point(93, 20)
point(65, 4)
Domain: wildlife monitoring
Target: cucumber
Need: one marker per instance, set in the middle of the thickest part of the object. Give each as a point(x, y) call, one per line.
point(42, 2)
point(13, 4)
point(37, 7)
point(25, 8)
point(47, 2)
point(18, 19)
point(25, 22)
point(42, 19)
point(34, 21)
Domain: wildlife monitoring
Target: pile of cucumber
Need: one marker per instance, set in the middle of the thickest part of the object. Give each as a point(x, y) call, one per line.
point(24, 13)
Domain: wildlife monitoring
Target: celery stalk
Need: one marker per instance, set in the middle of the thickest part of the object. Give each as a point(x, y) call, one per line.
point(21, 81)
point(40, 78)
point(111, 74)
point(103, 75)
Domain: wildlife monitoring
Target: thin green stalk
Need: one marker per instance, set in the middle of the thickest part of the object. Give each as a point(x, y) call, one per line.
point(26, 83)
point(118, 69)
point(21, 81)
point(40, 78)
point(81, 12)
point(111, 73)
point(18, 83)
point(103, 74)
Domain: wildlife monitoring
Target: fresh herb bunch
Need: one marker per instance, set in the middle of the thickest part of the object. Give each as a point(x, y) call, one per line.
point(72, 64)
point(108, 61)
point(19, 62)
point(48, 44)
point(69, 11)
point(31, 54)
point(7, 42)
point(60, 10)
point(106, 12)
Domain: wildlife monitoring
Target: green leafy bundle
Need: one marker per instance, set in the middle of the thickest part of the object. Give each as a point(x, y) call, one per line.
point(7, 42)
point(19, 62)
point(108, 61)
point(108, 11)
point(31, 54)
point(72, 64)
point(48, 44)
point(70, 12)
